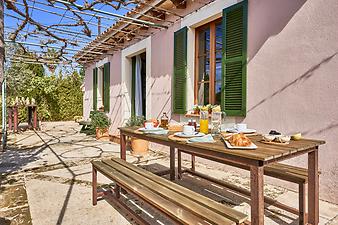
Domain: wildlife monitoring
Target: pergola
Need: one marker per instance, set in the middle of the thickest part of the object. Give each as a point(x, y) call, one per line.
point(72, 29)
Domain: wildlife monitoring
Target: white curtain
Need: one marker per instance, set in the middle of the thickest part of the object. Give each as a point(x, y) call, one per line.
point(138, 87)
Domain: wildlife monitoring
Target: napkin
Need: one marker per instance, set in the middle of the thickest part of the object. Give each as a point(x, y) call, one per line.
point(205, 139)
point(160, 132)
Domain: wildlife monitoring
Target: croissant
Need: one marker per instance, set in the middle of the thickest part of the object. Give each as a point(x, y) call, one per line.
point(240, 140)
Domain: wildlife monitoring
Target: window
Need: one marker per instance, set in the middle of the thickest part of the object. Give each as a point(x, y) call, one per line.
point(101, 87)
point(220, 72)
point(220, 63)
point(208, 80)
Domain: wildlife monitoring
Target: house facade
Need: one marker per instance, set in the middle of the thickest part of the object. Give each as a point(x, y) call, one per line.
point(272, 64)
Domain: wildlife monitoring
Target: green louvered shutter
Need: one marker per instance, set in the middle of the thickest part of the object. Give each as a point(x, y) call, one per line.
point(95, 89)
point(180, 71)
point(234, 60)
point(106, 86)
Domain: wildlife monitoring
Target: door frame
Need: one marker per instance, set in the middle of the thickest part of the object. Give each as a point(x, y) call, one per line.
point(126, 73)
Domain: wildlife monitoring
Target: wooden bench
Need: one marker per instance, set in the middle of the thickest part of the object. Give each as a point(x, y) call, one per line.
point(180, 204)
point(280, 171)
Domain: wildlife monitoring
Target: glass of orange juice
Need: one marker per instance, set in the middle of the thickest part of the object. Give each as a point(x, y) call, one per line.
point(204, 122)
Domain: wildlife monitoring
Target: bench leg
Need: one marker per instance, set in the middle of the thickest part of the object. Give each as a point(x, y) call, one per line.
point(172, 163)
point(94, 185)
point(179, 164)
point(123, 146)
point(117, 191)
point(302, 204)
point(192, 162)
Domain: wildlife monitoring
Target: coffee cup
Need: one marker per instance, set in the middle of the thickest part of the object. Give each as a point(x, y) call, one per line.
point(241, 127)
point(188, 130)
point(149, 125)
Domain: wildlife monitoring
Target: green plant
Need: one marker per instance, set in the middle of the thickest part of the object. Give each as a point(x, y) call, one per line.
point(135, 121)
point(196, 107)
point(99, 120)
point(58, 96)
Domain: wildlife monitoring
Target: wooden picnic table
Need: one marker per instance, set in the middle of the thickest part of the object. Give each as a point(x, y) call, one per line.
point(13, 117)
point(257, 159)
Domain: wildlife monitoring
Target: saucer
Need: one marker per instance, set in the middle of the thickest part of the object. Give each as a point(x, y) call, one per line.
point(181, 134)
point(247, 131)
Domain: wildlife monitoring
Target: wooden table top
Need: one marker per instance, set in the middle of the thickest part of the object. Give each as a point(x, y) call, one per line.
point(264, 154)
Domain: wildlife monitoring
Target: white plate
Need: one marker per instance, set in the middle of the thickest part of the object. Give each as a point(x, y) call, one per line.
point(247, 131)
point(143, 129)
point(181, 134)
point(251, 147)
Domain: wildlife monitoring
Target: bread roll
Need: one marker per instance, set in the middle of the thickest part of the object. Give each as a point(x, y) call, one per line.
point(240, 140)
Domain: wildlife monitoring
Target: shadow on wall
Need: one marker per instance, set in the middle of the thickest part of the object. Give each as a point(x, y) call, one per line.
point(302, 78)
point(160, 91)
point(115, 112)
point(328, 128)
point(268, 18)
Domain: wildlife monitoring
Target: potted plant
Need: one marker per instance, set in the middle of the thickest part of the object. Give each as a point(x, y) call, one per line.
point(101, 123)
point(139, 147)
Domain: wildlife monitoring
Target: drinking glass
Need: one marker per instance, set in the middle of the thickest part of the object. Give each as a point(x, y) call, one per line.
point(204, 123)
point(216, 119)
point(223, 124)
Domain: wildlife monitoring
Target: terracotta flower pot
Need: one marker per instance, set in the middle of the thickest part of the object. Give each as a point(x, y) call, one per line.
point(139, 146)
point(102, 134)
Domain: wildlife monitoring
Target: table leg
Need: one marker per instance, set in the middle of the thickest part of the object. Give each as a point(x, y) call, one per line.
point(193, 163)
point(257, 195)
point(29, 115)
point(10, 119)
point(313, 188)
point(35, 118)
point(15, 112)
point(179, 164)
point(94, 186)
point(172, 163)
point(123, 147)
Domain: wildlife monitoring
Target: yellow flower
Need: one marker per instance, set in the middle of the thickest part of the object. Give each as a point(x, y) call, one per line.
point(204, 108)
point(216, 109)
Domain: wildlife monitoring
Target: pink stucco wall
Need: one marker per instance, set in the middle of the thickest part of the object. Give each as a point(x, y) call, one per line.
point(292, 76)
point(115, 92)
point(162, 44)
point(292, 83)
point(88, 91)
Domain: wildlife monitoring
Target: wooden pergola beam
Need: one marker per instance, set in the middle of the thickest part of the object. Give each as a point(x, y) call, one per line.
point(146, 9)
point(179, 4)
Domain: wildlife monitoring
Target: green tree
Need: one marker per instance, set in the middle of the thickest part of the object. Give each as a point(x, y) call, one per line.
point(57, 97)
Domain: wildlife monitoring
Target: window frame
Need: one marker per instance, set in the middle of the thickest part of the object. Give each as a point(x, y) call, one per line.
point(212, 63)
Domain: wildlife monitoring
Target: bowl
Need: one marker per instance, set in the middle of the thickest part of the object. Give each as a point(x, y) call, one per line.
point(283, 138)
point(268, 137)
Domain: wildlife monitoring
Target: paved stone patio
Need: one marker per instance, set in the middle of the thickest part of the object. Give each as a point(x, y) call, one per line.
point(46, 178)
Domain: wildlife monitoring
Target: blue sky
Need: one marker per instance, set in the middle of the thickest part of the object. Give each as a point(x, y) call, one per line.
point(48, 19)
